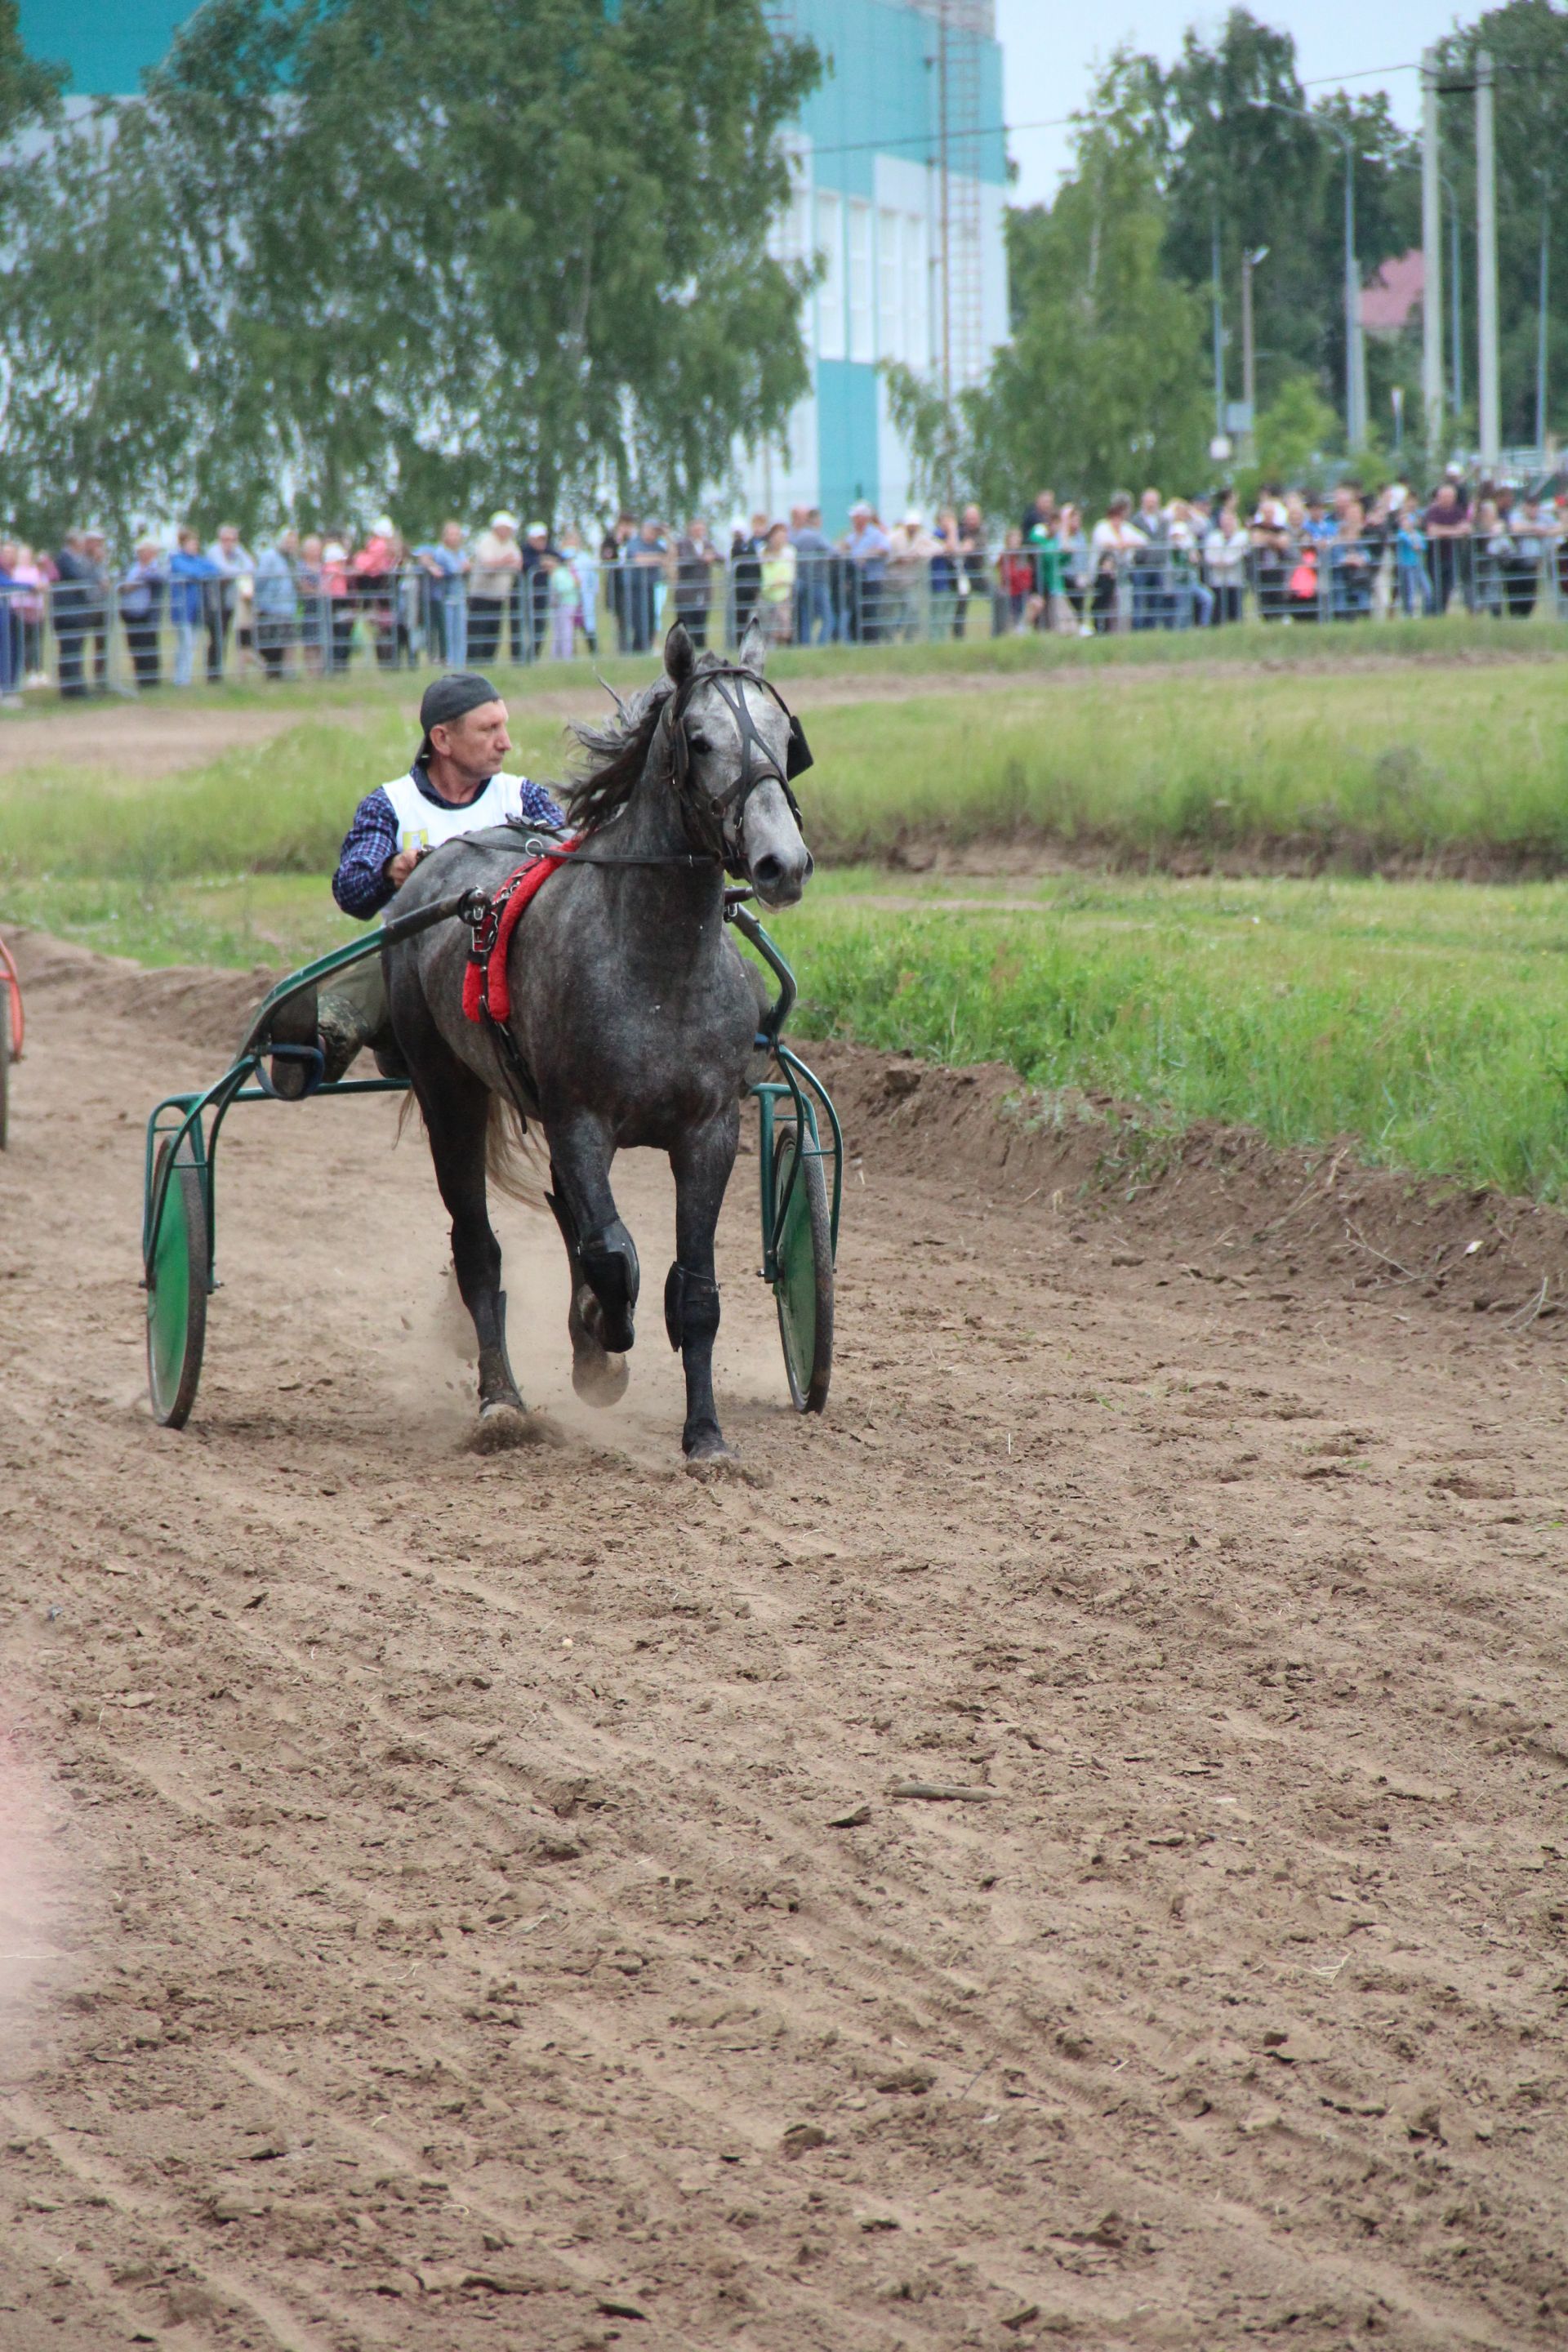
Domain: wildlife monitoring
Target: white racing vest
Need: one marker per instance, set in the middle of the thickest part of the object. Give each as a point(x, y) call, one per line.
point(426, 824)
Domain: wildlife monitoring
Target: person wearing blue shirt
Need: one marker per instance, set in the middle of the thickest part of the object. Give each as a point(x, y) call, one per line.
point(189, 572)
point(445, 563)
point(276, 602)
point(140, 609)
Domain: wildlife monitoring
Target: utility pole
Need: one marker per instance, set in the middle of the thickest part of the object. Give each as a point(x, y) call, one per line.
point(1432, 256)
point(946, 156)
point(1485, 264)
point(1219, 432)
point(1540, 320)
point(1355, 358)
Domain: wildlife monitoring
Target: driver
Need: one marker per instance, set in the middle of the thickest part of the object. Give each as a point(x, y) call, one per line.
point(454, 786)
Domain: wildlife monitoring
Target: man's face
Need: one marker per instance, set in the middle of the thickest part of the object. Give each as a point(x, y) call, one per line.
point(228, 538)
point(1151, 502)
point(451, 534)
point(760, 525)
point(290, 543)
point(478, 742)
point(7, 556)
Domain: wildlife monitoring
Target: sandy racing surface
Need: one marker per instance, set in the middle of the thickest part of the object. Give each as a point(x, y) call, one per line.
point(454, 1902)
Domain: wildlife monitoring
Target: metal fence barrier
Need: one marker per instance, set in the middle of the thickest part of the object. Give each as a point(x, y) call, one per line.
point(94, 635)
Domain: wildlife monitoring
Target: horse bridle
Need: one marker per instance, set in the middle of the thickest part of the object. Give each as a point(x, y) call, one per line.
point(758, 765)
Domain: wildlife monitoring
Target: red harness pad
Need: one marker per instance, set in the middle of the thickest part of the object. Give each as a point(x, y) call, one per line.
point(486, 988)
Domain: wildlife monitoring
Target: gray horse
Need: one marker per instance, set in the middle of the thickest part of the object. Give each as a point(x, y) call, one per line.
point(633, 1016)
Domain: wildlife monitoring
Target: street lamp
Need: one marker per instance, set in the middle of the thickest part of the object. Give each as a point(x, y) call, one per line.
point(1355, 402)
point(1250, 257)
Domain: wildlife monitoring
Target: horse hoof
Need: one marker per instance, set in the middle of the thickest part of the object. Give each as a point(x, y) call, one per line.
point(503, 1426)
point(599, 1378)
point(717, 1466)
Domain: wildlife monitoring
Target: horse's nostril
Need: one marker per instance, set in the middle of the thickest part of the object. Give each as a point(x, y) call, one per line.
point(768, 869)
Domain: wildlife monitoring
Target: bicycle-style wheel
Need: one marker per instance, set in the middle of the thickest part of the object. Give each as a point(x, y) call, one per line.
point(804, 1284)
point(177, 1290)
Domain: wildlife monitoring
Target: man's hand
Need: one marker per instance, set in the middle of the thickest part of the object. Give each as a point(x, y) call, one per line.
point(398, 869)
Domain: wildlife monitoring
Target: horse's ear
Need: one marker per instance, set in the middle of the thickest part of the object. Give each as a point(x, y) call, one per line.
point(680, 654)
point(753, 649)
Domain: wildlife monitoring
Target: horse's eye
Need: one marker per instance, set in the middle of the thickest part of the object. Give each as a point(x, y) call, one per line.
point(698, 743)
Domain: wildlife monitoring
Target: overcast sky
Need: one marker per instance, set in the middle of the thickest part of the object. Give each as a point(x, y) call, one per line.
point(1052, 51)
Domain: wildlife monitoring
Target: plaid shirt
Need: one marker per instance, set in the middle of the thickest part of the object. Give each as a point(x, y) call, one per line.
point(359, 884)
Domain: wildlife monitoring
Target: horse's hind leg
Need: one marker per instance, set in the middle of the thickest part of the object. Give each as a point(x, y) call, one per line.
point(456, 1105)
point(602, 1256)
point(702, 1163)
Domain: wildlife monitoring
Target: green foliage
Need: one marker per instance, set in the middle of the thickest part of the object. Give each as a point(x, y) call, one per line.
point(1102, 383)
point(420, 252)
point(103, 387)
point(1242, 158)
point(1431, 1023)
point(1294, 432)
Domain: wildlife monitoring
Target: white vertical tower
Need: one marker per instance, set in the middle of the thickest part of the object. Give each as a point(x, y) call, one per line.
point(962, 26)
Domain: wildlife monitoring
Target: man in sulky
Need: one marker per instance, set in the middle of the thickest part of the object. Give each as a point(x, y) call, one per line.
point(454, 786)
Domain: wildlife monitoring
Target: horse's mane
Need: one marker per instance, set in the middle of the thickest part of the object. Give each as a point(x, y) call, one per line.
point(613, 755)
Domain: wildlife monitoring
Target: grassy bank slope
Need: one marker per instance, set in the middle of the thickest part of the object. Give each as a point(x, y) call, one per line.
point(1428, 1021)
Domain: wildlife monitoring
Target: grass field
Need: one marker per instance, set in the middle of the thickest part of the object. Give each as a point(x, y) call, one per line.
point(1427, 1019)
point(1289, 647)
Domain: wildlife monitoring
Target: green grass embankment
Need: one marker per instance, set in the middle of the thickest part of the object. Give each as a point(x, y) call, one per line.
point(1428, 1021)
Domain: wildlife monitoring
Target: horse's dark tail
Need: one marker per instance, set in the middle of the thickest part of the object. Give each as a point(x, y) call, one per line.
point(515, 1162)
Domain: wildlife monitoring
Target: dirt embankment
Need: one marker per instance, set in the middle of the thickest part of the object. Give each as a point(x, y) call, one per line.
point(456, 1902)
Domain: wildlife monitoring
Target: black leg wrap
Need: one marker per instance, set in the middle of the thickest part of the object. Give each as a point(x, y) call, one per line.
point(691, 1306)
point(609, 1262)
point(496, 1380)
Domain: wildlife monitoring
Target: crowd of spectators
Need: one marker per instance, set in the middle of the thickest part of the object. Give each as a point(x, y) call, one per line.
point(298, 603)
point(1294, 556)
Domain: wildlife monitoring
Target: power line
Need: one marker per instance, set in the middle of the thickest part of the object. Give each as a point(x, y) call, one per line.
point(1064, 122)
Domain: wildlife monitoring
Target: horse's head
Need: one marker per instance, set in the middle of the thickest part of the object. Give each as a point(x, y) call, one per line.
point(734, 750)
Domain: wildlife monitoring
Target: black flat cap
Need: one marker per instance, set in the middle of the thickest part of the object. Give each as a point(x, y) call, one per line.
point(449, 697)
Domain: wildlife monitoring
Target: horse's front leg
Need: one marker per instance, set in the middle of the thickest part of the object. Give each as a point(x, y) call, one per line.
point(602, 1255)
point(702, 1162)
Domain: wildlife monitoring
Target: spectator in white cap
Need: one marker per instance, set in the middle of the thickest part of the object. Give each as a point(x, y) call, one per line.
point(497, 560)
point(540, 556)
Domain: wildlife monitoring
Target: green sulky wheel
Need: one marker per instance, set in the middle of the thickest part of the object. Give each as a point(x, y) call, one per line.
point(804, 1285)
point(177, 1291)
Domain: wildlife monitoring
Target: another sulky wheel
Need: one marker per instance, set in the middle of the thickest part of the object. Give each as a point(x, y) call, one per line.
point(177, 1292)
point(804, 1286)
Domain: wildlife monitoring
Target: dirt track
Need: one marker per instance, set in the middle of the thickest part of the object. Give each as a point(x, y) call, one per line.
point(425, 1926)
